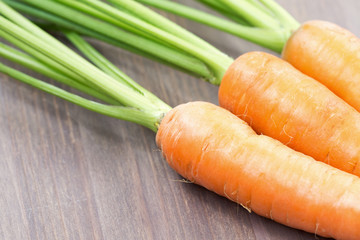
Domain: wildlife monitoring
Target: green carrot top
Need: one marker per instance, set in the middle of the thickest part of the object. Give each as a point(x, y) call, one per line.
point(123, 97)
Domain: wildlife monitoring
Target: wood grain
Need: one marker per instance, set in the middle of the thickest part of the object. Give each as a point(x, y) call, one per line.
point(67, 173)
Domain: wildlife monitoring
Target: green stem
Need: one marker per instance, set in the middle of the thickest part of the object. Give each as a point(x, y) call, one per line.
point(272, 39)
point(261, 7)
point(61, 23)
point(223, 10)
point(33, 64)
point(108, 67)
point(218, 63)
point(47, 60)
point(35, 30)
point(138, 108)
point(271, 24)
point(163, 23)
point(68, 25)
point(252, 14)
point(150, 119)
point(88, 9)
point(285, 18)
point(77, 64)
point(172, 59)
point(100, 61)
point(173, 56)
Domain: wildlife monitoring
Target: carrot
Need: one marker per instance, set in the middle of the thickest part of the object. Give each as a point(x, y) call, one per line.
point(330, 54)
point(279, 101)
point(213, 148)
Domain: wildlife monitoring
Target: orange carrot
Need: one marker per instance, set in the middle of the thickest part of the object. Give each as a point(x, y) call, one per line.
point(212, 147)
point(329, 54)
point(279, 101)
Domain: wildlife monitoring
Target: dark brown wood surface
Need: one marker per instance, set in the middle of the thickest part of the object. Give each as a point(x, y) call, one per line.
point(68, 173)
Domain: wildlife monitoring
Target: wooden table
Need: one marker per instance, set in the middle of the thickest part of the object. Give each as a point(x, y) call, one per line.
point(68, 173)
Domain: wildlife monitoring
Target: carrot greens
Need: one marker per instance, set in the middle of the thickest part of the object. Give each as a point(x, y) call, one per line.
point(32, 63)
point(136, 28)
point(123, 98)
point(121, 112)
point(263, 22)
point(269, 38)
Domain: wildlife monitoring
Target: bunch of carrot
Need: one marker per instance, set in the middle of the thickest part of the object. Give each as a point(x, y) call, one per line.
point(213, 148)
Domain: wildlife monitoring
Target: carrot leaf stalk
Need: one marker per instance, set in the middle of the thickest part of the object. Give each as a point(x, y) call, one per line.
point(255, 16)
point(57, 23)
point(223, 10)
point(263, 22)
point(108, 67)
point(21, 58)
point(117, 37)
point(269, 38)
point(125, 113)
